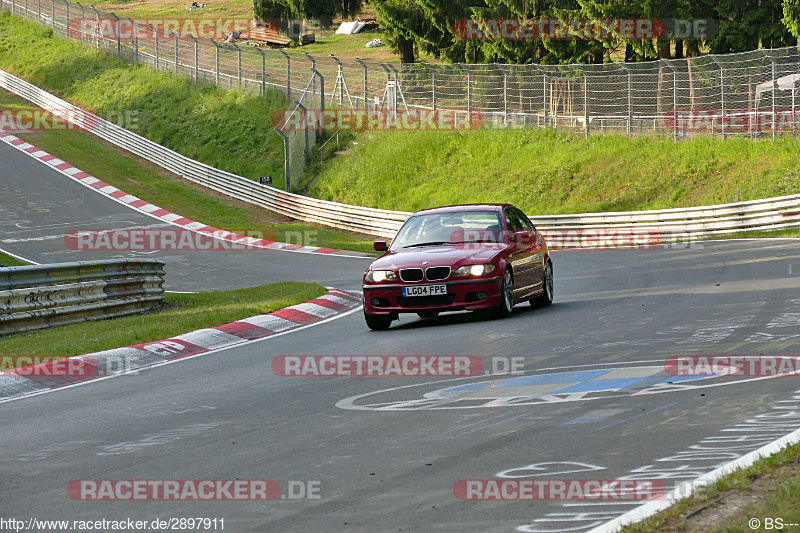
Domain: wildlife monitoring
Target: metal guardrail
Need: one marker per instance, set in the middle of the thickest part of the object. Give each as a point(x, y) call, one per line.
point(43, 296)
point(672, 224)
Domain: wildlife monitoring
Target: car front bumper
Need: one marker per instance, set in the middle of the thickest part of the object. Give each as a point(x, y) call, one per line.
point(387, 298)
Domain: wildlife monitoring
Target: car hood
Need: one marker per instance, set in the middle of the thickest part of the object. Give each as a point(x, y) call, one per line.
point(440, 255)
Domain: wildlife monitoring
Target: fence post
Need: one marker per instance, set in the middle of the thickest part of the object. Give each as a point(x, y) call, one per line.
point(321, 98)
point(469, 86)
point(774, 90)
point(305, 127)
point(339, 88)
point(314, 79)
point(585, 100)
point(721, 95)
point(98, 31)
point(263, 70)
point(118, 27)
point(66, 29)
point(433, 82)
point(545, 101)
point(176, 51)
point(630, 98)
point(155, 37)
point(285, 156)
point(366, 103)
point(288, 74)
point(83, 17)
point(238, 64)
point(53, 14)
point(196, 58)
point(216, 64)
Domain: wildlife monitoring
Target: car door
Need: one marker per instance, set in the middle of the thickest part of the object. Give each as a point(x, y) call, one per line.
point(521, 255)
point(537, 250)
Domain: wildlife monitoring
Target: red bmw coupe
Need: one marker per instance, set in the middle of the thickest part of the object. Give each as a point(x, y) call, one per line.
point(460, 257)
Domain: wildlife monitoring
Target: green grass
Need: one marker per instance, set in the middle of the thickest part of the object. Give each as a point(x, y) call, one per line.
point(773, 483)
point(148, 182)
point(179, 314)
point(545, 172)
point(7, 260)
point(223, 128)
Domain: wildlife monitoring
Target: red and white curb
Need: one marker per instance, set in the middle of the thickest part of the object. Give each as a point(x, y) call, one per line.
point(157, 212)
point(64, 372)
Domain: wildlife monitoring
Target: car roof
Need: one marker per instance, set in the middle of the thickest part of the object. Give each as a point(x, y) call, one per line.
point(462, 207)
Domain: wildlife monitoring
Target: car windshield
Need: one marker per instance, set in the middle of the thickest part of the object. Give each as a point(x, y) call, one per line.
point(448, 228)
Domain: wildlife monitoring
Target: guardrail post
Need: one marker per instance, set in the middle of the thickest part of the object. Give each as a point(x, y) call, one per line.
point(288, 74)
point(360, 62)
point(433, 82)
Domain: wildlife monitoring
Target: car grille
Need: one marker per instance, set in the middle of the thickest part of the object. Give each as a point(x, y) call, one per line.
point(411, 274)
point(437, 273)
point(426, 301)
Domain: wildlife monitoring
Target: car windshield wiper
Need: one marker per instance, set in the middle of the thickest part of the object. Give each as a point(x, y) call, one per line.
point(432, 243)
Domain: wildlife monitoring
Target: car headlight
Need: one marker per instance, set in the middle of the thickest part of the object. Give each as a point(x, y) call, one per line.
point(473, 270)
point(381, 275)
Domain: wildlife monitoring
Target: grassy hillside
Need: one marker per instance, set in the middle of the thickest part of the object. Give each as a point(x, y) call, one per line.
point(547, 172)
point(225, 129)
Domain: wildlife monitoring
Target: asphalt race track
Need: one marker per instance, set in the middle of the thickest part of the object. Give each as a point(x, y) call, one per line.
point(590, 400)
point(40, 206)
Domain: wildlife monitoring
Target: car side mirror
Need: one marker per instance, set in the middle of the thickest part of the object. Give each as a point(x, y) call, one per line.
point(522, 240)
point(380, 246)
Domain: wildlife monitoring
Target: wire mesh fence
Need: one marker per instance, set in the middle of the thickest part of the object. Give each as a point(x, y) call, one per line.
point(749, 94)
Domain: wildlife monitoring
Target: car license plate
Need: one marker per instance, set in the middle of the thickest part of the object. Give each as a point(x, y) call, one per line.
point(425, 290)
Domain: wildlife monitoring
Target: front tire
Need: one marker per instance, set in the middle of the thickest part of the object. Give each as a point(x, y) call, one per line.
point(546, 298)
point(506, 295)
point(378, 322)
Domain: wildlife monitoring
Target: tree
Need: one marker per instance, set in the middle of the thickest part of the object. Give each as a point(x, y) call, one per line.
point(318, 9)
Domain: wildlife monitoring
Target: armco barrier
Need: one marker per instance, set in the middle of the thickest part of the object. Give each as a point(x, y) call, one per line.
point(670, 224)
point(41, 296)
